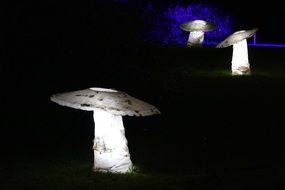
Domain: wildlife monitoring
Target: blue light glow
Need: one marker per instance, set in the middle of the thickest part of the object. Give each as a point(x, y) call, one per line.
point(268, 45)
point(271, 45)
point(164, 25)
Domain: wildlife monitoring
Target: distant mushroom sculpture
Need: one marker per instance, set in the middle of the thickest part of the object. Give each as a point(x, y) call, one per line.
point(197, 28)
point(111, 153)
point(240, 63)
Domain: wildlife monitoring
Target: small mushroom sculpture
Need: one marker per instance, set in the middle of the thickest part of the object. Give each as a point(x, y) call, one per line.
point(240, 63)
point(197, 28)
point(111, 153)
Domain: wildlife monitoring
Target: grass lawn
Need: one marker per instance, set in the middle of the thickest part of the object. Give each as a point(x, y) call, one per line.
point(216, 131)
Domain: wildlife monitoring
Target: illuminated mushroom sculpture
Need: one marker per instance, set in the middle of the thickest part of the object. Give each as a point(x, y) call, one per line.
point(240, 63)
point(111, 153)
point(197, 28)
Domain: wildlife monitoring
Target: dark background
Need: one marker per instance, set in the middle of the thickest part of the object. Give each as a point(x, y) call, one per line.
point(59, 25)
point(53, 46)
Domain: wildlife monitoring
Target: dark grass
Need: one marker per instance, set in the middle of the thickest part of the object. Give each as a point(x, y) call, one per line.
point(216, 131)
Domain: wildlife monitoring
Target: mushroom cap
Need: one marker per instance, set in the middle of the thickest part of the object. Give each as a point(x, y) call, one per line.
point(112, 101)
point(198, 25)
point(236, 37)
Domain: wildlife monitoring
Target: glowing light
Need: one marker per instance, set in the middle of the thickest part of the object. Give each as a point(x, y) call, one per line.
point(195, 38)
point(164, 23)
point(111, 153)
point(240, 63)
point(197, 28)
point(265, 44)
point(268, 45)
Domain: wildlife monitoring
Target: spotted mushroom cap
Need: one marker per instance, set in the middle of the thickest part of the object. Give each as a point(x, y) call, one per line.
point(198, 25)
point(112, 101)
point(236, 37)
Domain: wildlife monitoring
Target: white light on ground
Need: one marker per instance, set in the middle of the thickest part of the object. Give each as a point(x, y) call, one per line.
point(240, 63)
point(197, 28)
point(111, 153)
point(196, 38)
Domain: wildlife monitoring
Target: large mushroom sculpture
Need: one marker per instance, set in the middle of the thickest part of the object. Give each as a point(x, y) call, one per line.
point(111, 153)
point(197, 28)
point(240, 63)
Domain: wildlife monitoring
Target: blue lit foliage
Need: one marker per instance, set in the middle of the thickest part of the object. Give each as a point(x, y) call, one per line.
point(164, 25)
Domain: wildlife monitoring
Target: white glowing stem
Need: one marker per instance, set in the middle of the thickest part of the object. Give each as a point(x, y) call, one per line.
point(240, 63)
point(111, 153)
point(195, 38)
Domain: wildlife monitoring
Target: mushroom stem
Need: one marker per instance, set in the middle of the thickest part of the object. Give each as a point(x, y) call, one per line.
point(240, 63)
point(111, 153)
point(195, 39)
